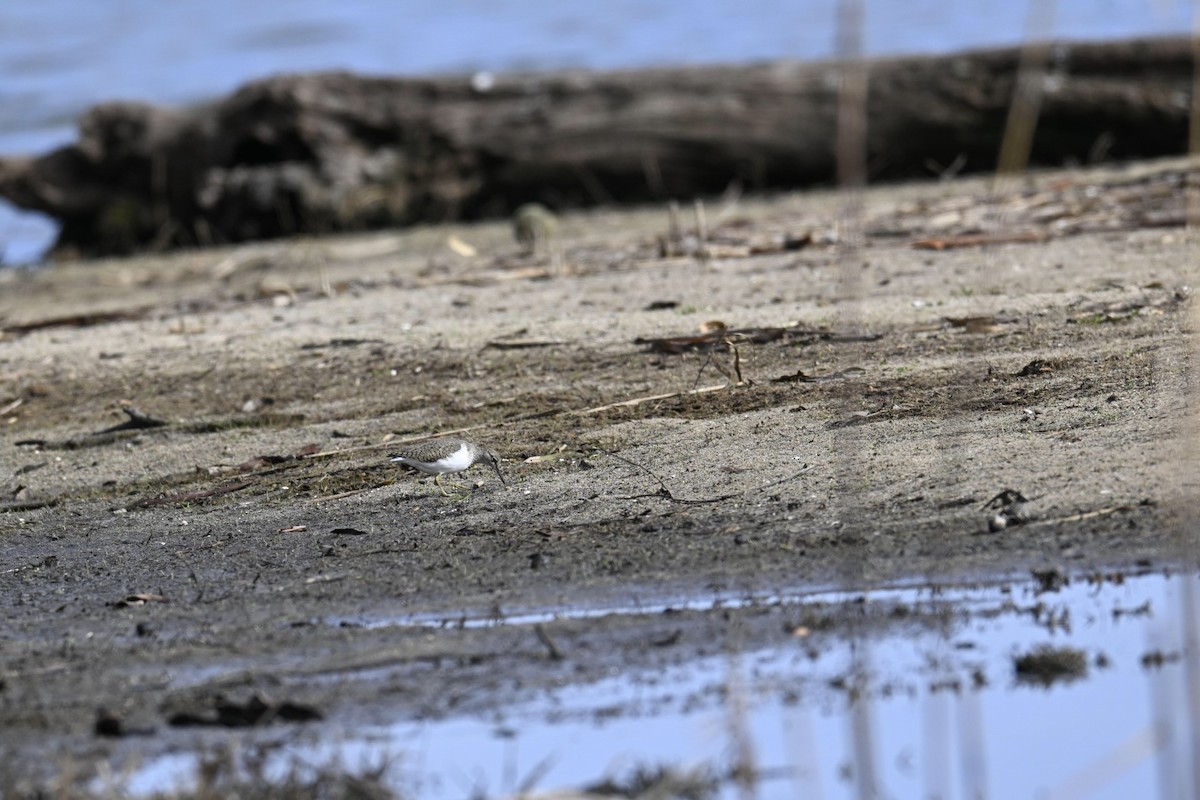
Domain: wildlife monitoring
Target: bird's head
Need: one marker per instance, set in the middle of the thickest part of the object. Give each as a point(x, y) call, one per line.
point(495, 462)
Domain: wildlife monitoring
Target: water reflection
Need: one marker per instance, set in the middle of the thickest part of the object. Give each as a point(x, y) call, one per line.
point(933, 713)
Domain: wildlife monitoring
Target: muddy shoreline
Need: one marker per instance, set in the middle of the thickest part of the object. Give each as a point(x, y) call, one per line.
point(259, 543)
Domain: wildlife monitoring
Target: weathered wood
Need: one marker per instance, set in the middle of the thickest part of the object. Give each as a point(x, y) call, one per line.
point(329, 152)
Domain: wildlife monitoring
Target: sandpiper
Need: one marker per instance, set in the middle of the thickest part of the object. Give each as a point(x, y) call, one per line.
point(438, 457)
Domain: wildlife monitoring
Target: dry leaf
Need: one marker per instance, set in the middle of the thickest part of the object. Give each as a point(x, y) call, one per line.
point(461, 248)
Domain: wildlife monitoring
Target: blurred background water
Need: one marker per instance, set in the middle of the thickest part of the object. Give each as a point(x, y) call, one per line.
point(59, 57)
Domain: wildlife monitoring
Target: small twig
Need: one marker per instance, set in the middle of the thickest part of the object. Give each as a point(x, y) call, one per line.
point(579, 412)
point(77, 321)
point(980, 240)
point(642, 467)
point(396, 442)
point(734, 376)
point(386, 551)
point(325, 579)
point(1100, 512)
point(663, 491)
point(341, 495)
point(29, 505)
point(662, 494)
point(649, 398)
point(797, 474)
point(523, 345)
point(737, 360)
point(138, 420)
point(188, 497)
point(724, 370)
point(700, 372)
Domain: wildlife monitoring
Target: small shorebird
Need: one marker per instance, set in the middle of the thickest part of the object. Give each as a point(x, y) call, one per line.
point(438, 457)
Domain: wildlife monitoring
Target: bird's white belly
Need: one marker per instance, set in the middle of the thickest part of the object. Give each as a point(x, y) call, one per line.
point(456, 462)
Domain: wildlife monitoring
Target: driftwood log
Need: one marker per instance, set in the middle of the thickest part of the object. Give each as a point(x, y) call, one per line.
point(336, 152)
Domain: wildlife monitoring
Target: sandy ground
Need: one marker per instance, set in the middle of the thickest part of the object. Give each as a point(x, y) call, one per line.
point(259, 543)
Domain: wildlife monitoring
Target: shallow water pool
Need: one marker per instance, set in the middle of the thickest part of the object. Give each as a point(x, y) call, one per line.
point(938, 713)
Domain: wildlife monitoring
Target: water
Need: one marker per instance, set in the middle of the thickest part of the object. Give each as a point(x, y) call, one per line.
point(661, 604)
point(925, 725)
point(59, 57)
